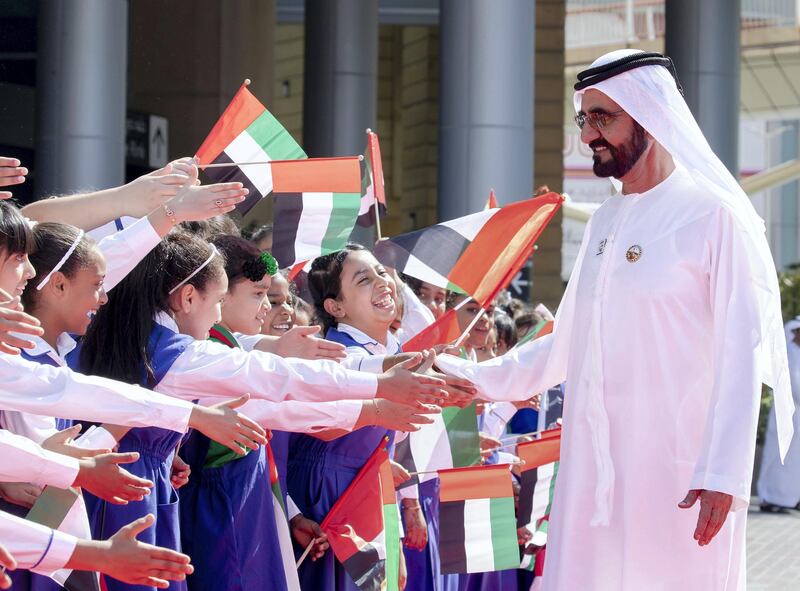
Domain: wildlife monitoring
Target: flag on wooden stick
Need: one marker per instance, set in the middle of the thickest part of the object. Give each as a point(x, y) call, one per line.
point(316, 204)
point(247, 132)
point(477, 254)
point(363, 527)
point(538, 477)
point(476, 520)
point(373, 192)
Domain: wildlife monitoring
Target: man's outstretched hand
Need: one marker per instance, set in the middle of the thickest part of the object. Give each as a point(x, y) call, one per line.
point(714, 509)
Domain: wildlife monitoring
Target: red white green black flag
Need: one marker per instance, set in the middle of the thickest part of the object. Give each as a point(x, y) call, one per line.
point(247, 132)
point(363, 527)
point(476, 520)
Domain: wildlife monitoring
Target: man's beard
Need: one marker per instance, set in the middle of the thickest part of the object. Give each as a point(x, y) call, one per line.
point(622, 158)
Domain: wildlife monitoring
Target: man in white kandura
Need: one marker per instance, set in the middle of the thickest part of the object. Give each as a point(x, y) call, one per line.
point(669, 325)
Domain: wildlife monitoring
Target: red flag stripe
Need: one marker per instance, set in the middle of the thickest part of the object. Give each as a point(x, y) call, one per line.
point(475, 482)
point(325, 175)
point(243, 109)
point(444, 330)
point(540, 452)
point(377, 167)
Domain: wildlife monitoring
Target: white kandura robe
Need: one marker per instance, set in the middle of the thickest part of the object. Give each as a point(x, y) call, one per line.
point(778, 483)
point(667, 345)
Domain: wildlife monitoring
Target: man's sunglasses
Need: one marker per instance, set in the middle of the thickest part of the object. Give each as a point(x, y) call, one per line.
point(596, 120)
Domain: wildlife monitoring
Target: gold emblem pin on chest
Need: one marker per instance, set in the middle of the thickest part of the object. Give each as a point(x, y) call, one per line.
point(634, 253)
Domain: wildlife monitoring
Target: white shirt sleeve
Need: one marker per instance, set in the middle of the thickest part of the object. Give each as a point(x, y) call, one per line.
point(25, 461)
point(359, 359)
point(35, 547)
point(292, 510)
point(34, 427)
point(497, 416)
point(124, 250)
point(366, 363)
point(59, 391)
point(416, 315)
point(248, 342)
point(517, 375)
point(301, 417)
point(209, 369)
point(726, 461)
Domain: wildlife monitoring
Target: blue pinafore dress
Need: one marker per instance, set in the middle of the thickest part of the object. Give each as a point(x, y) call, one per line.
point(317, 475)
point(227, 518)
point(156, 449)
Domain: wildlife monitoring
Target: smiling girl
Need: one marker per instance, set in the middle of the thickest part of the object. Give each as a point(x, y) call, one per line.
point(355, 299)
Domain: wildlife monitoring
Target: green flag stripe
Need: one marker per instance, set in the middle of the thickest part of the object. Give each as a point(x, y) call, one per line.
point(391, 530)
point(278, 494)
point(462, 432)
point(276, 141)
point(504, 533)
point(543, 526)
point(343, 218)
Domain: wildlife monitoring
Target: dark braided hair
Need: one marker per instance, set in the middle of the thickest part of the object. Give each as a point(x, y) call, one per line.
point(325, 281)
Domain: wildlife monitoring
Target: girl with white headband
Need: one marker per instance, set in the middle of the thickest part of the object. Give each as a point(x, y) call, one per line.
point(153, 331)
point(238, 544)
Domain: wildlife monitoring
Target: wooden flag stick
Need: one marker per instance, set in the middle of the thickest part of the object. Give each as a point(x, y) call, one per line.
point(423, 472)
point(462, 304)
point(519, 435)
point(305, 553)
point(377, 219)
point(437, 471)
point(224, 164)
point(464, 334)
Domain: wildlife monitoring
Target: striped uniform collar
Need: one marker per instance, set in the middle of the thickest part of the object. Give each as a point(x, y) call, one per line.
point(220, 334)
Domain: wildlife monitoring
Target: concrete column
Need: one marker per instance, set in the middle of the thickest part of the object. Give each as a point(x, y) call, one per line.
point(702, 38)
point(486, 117)
point(341, 76)
point(81, 89)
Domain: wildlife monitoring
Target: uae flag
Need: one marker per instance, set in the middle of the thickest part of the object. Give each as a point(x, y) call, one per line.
point(451, 441)
point(247, 132)
point(372, 187)
point(64, 510)
point(281, 521)
point(363, 527)
point(538, 475)
point(444, 330)
point(476, 254)
point(476, 520)
point(315, 206)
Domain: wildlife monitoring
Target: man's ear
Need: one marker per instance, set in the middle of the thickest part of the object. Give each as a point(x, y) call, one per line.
point(333, 307)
